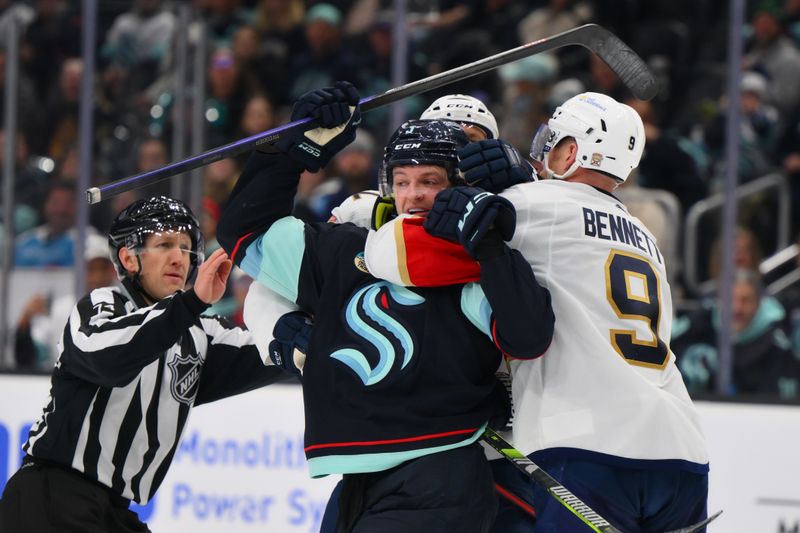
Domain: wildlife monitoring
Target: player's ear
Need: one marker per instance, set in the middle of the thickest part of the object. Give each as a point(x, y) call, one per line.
point(128, 259)
point(572, 152)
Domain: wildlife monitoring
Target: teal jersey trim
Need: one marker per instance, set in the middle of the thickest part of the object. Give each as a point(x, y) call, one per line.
point(476, 307)
point(377, 462)
point(274, 259)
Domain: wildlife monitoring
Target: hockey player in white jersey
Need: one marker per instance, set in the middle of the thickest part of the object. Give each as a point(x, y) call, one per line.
point(604, 410)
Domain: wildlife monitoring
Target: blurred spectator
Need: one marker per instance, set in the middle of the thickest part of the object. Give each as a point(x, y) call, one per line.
point(280, 27)
point(352, 170)
point(258, 116)
point(763, 362)
point(19, 11)
point(151, 154)
point(525, 100)
point(758, 133)
point(557, 16)
point(228, 87)
point(31, 174)
point(42, 321)
point(776, 55)
point(500, 20)
point(747, 253)
point(789, 160)
point(791, 18)
point(29, 105)
point(665, 164)
point(136, 48)
point(51, 244)
point(325, 59)
point(223, 18)
point(51, 38)
point(374, 50)
point(61, 109)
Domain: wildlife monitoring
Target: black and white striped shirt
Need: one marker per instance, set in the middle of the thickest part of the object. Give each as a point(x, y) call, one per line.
point(126, 378)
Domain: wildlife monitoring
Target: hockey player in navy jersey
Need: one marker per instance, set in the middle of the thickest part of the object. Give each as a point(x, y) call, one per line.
point(604, 410)
point(398, 382)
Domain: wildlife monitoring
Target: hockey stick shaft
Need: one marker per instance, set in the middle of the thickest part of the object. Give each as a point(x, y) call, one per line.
point(698, 526)
point(562, 494)
point(620, 58)
point(575, 505)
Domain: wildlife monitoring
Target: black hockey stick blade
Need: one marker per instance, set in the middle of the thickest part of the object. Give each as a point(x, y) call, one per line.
point(698, 526)
point(575, 505)
point(630, 68)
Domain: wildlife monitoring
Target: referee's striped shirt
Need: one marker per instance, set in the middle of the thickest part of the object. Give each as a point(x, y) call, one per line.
point(126, 378)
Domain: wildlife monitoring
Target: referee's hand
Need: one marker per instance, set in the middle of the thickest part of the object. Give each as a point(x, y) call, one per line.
point(212, 277)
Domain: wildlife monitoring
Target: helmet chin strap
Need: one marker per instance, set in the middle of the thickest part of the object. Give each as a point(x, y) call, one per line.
point(136, 282)
point(549, 174)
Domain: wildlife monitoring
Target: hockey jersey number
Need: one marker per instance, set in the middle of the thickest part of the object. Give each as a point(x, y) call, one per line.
point(633, 289)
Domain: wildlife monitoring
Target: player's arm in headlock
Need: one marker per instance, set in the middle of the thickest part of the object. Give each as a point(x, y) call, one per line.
point(522, 316)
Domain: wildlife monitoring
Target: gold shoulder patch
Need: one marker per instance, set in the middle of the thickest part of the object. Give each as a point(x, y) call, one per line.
point(360, 262)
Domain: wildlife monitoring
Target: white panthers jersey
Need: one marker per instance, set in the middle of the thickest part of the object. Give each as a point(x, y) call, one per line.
point(608, 383)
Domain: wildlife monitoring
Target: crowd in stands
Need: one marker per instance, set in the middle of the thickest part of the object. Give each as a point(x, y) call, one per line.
point(263, 54)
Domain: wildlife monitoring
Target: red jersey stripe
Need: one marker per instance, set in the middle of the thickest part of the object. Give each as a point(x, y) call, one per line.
point(392, 441)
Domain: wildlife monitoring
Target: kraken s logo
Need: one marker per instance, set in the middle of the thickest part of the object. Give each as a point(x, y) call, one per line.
point(368, 300)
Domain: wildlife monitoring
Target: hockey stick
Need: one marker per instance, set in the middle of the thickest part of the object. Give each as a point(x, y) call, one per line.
point(546, 481)
point(575, 505)
point(623, 61)
point(698, 526)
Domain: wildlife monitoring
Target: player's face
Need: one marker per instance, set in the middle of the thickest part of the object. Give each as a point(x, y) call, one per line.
point(415, 188)
point(474, 133)
point(165, 263)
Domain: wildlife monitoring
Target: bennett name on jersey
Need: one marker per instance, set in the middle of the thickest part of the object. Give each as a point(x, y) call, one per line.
point(618, 228)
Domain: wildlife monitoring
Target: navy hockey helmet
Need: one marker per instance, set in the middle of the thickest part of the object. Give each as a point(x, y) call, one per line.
point(423, 142)
point(154, 215)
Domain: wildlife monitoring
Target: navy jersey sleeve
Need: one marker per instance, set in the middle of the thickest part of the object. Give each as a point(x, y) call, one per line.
point(264, 194)
point(522, 318)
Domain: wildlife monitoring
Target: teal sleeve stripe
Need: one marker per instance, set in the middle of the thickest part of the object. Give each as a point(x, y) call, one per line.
point(274, 259)
point(476, 307)
point(377, 462)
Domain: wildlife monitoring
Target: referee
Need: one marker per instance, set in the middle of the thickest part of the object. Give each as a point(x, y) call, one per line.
point(133, 360)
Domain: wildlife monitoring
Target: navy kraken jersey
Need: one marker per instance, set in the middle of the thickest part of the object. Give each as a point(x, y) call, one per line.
point(391, 373)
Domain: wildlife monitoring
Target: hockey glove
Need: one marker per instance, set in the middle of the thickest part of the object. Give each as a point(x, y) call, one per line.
point(493, 165)
point(467, 214)
point(337, 113)
point(288, 348)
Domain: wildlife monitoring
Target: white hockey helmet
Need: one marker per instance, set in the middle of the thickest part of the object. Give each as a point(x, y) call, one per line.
point(464, 109)
point(609, 135)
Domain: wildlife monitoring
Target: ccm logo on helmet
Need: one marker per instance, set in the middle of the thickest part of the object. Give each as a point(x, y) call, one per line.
point(407, 146)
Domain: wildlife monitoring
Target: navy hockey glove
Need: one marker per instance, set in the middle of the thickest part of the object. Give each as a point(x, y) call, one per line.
point(337, 113)
point(470, 215)
point(493, 165)
point(290, 335)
